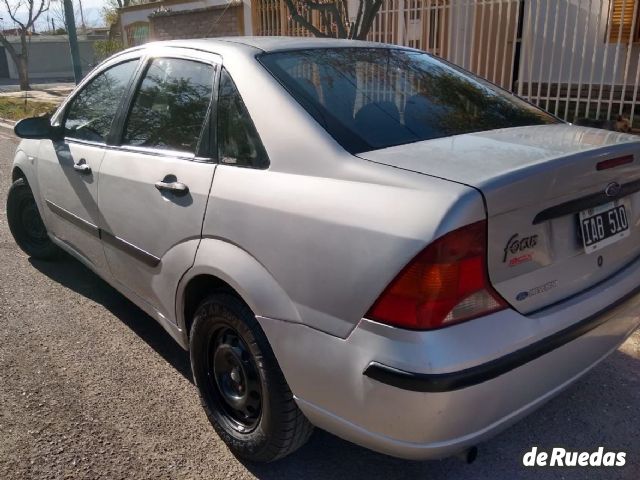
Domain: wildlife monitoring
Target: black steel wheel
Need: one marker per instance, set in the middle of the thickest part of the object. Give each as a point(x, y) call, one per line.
point(26, 224)
point(236, 380)
point(241, 386)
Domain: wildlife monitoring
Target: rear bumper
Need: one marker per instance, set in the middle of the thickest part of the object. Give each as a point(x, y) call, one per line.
point(433, 394)
point(447, 382)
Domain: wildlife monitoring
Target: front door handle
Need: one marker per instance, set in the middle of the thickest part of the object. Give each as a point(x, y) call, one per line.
point(82, 167)
point(177, 188)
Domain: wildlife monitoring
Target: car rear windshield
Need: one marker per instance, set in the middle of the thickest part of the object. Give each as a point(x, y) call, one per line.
point(372, 98)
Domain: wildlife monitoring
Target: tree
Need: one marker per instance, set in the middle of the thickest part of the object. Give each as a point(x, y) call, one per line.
point(110, 10)
point(105, 48)
point(111, 7)
point(334, 17)
point(24, 21)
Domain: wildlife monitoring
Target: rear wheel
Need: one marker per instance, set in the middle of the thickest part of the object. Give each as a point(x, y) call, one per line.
point(26, 224)
point(242, 388)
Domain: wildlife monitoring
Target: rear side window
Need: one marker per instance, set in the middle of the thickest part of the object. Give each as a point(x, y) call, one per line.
point(170, 106)
point(238, 140)
point(91, 112)
point(372, 98)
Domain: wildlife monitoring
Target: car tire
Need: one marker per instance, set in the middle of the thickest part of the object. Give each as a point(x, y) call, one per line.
point(26, 224)
point(241, 386)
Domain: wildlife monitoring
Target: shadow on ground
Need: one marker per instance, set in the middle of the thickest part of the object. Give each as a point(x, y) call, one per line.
point(74, 275)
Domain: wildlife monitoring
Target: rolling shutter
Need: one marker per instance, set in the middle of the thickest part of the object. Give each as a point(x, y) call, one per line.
point(622, 15)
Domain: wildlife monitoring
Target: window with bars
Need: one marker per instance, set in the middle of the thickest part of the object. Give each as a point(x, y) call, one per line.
point(624, 24)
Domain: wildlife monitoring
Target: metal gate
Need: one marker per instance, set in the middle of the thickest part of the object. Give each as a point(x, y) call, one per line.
point(574, 58)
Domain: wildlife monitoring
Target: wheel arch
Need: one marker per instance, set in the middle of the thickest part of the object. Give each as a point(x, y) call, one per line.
point(24, 166)
point(198, 288)
point(17, 173)
point(222, 266)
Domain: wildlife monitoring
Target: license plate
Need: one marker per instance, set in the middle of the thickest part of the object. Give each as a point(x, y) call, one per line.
point(604, 225)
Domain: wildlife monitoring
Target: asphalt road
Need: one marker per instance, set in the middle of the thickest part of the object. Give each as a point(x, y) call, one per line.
point(91, 387)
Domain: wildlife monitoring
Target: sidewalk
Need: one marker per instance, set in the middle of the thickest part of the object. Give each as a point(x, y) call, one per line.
point(50, 92)
point(14, 83)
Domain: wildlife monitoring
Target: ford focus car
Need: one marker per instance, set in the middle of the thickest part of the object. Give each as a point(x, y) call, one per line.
point(349, 235)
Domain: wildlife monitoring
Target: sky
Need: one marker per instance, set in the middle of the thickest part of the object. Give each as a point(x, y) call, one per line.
point(92, 14)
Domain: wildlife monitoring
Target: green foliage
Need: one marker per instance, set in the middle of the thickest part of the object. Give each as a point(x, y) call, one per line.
point(110, 9)
point(106, 48)
point(17, 108)
point(110, 15)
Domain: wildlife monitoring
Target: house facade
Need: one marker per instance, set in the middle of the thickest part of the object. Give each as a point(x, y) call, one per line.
point(172, 19)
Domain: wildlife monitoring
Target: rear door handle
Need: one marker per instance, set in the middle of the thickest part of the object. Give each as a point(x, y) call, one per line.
point(177, 188)
point(82, 166)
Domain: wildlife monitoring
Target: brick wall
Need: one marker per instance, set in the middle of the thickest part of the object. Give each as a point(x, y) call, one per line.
point(218, 21)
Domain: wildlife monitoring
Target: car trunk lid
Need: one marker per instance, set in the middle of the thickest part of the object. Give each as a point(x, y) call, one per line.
point(535, 182)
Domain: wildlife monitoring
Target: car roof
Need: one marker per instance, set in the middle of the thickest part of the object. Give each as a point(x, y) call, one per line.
point(270, 44)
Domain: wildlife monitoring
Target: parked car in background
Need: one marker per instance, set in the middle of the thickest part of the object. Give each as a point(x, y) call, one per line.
point(350, 235)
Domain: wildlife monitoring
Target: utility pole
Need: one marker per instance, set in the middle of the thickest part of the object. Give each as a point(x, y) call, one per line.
point(73, 40)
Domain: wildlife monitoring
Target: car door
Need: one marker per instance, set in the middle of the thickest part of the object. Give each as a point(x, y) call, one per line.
point(68, 169)
point(154, 185)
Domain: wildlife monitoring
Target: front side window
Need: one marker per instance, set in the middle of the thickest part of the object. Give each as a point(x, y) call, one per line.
point(91, 112)
point(238, 140)
point(170, 106)
point(372, 98)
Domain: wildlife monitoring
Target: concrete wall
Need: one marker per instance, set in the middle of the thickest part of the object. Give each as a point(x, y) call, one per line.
point(49, 57)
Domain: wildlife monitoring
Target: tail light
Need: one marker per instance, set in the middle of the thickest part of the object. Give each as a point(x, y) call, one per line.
point(444, 284)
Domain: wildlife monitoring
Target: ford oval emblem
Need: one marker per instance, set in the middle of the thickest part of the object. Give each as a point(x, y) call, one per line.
point(613, 189)
point(522, 296)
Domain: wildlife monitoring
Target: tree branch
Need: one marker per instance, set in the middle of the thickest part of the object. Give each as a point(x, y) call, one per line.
point(329, 8)
point(370, 11)
point(44, 6)
point(9, 46)
point(340, 20)
point(293, 11)
point(12, 13)
point(356, 25)
point(338, 11)
point(32, 17)
point(326, 21)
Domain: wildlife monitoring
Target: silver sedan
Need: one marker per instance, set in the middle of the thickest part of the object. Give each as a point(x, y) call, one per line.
point(350, 235)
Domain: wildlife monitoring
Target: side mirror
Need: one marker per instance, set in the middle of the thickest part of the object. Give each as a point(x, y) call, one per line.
point(36, 128)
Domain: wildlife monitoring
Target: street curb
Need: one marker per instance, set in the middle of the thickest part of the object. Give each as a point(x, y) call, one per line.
point(6, 123)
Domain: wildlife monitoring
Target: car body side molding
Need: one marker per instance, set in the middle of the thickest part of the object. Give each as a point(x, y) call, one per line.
point(74, 219)
point(109, 238)
point(129, 248)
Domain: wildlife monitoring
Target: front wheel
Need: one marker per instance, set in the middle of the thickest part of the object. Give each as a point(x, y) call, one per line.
point(26, 224)
point(241, 386)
